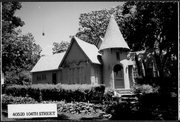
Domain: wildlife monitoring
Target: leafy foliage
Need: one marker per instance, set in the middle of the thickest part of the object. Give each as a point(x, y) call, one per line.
point(60, 47)
point(60, 92)
point(154, 103)
point(79, 110)
point(19, 52)
point(79, 107)
point(121, 111)
point(108, 96)
point(22, 49)
point(145, 89)
point(21, 78)
point(147, 102)
point(149, 26)
point(16, 100)
point(9, 20)
point(93, 25)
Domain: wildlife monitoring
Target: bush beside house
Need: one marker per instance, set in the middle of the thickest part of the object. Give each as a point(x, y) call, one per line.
point(69, 93)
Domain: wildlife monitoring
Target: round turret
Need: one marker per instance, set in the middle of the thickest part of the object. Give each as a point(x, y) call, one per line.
point(113, 37)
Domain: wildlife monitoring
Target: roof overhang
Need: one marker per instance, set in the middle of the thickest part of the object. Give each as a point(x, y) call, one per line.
point(126, 62)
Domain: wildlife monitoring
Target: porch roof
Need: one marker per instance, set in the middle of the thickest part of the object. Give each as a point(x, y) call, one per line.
point(126, 62)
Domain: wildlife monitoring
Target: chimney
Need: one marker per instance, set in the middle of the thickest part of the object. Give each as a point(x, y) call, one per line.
point(98, 44)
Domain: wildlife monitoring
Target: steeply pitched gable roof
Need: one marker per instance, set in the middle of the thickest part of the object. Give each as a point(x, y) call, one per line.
point(88, 49)
point(47, 63)
point(113, 37)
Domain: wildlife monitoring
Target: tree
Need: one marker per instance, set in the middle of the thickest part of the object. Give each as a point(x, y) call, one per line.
point(19, 52)
point(9, 20)
point(149, 26)
point(156, 27)
point(93, 25)
point(60, 47)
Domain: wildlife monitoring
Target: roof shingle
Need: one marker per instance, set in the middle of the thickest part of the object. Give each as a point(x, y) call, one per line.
point(47, 63)
point(89, 49)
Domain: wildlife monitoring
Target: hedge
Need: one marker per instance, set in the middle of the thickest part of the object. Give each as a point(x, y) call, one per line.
point(43, 92)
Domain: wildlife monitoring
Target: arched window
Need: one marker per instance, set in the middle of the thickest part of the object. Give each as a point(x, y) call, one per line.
point(118, 70)
point(118, 76)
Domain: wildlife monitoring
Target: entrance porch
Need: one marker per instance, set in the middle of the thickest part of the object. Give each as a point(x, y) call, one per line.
point(123, 76)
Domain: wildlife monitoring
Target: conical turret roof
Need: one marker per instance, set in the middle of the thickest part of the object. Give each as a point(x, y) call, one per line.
point(113, 37)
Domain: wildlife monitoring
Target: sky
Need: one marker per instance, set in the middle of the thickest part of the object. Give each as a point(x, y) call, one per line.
point(58, 20)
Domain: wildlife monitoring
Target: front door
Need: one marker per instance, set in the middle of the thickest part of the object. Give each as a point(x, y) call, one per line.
point(118, 77)
point(54, 78)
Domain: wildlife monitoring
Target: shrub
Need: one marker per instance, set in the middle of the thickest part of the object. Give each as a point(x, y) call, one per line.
point(11, 77)
point(121, 110)
point(146, 106)
point(25, 77)
point(144, 89)
point(16, 100)
point(58, 92)
point(18, 77)
point(108, 95)
point(16, 90)
point(149, 102)
point(147, 93)
point(78, 107)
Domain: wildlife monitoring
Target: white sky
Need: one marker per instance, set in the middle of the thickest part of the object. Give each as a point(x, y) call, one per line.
point(58, 20)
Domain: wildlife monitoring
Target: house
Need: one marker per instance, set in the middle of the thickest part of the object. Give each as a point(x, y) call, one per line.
point(85, 63)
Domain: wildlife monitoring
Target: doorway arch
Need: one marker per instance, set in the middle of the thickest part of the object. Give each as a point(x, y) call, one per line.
point(118, 76)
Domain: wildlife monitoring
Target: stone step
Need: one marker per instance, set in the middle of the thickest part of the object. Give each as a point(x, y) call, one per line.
point(126, 95)
point(124, 91)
